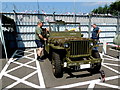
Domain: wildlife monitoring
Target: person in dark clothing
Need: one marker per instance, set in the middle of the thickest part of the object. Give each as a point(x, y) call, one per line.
point(95, 34)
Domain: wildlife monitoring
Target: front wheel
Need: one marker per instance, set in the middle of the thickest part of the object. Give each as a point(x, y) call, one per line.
point(96, 66)
point(95, 69)
point(57, 65)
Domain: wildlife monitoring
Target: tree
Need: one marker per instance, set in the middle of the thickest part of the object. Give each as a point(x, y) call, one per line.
point(95, 11)
point(113, 9)
point(105, 9)
point(100, 10)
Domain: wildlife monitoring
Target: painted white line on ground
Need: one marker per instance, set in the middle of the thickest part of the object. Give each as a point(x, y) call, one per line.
point(21, 65)
point(12, 85)
point(14, 69)
point(112, 64)
point(91, 86)
point(111, 69)
point(22, 51)
point(101, 55)
point(29, 58)
point(12, 77)
point(40, 76)
point(29, 75)
point(112, 77)
point(78, 84)
point(22, 81)
point(26, 57)
point(108, 85)
point(6, 66)
point(109, 59)
point(115, 50)
point(11, 61)
point(87, 82)
point(26, 77)
point(41, 79)
point(25, 65)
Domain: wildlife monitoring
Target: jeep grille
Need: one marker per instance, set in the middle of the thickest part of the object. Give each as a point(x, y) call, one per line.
point(79, 47)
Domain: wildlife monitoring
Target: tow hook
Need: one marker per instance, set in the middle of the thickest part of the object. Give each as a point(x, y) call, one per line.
point(102, 77)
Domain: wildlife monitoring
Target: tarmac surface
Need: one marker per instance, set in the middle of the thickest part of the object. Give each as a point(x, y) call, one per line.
point(23, 71)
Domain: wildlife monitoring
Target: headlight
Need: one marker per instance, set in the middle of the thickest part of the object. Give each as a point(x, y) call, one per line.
point(66, 45)
point(91, 43)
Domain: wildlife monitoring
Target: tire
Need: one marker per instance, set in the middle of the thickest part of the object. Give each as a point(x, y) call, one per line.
point(95, 54)
point(50, 54)
point(57, 65)
point(96, 66)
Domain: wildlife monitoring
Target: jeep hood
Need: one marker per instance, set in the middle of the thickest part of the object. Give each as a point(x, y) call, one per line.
point(61, 40)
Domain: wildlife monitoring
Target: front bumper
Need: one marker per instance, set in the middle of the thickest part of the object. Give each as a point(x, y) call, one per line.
point(90, 62)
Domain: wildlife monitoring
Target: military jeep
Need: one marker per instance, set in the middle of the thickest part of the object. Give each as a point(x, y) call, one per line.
point(68, 49)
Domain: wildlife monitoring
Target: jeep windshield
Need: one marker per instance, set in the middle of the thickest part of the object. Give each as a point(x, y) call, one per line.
point(61, 26)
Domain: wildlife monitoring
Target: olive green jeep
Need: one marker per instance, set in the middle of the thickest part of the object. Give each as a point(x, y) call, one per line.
point(68, 49)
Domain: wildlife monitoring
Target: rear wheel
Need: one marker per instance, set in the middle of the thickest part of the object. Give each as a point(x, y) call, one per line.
point(57, 65)
point(96, 66)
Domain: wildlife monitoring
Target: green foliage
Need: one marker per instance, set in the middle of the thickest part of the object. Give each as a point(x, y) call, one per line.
point(113, 9)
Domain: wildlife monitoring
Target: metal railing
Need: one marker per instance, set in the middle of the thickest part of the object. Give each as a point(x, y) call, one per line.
point(26, 24)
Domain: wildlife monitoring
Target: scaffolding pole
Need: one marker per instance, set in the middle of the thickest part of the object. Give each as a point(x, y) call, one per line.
point(1, 32)
point(3, 41)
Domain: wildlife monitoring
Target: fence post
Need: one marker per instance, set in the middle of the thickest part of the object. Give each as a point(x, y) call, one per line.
point(118, 24)
point(74, 18)
point(54, 16)
point(54, 21)
point(89, 32)
point(16, 23)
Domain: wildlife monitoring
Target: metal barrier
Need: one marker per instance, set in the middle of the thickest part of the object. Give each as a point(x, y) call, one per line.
point(26, 24)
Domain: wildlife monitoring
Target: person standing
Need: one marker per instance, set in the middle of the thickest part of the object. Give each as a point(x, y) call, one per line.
point(95, 34)
point(39, 39)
